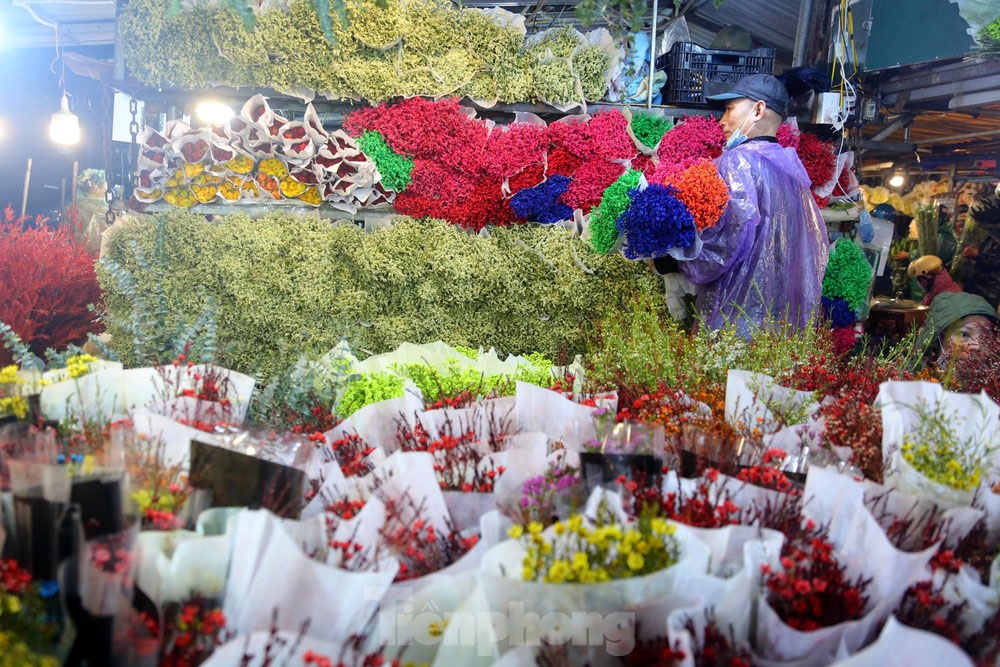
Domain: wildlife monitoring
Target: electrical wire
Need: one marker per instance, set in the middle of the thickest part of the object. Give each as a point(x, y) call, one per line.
point(844, 55)
point(39, 19)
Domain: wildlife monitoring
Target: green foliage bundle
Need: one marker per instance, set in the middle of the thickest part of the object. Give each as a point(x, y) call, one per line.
point(396, 169)
point(367, 389)
point(638, 348)
point(372, 49)
point(848, 275)
point(153, 335)
point(604, 221)
point(437, 385)
point(284, 286)
point(649, 129)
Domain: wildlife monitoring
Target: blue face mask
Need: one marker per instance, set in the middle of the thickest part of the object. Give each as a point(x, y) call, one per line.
point(734, 140)
point(738, 137)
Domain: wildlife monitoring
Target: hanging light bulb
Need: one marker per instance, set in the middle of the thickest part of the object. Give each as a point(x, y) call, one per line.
point(64, 128)
point(213, 112)
point(897, 180)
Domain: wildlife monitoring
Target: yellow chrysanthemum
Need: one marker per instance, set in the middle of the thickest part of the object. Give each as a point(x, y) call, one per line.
point(8, 375)
point(558, 572)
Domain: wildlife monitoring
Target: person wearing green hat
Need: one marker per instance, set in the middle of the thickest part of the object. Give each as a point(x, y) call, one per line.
point(958, 322)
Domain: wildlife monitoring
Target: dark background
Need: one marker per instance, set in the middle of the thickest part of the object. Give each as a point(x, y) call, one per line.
point(31, 95)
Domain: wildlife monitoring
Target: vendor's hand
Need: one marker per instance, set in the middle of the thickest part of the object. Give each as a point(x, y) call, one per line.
point(971, 252)
point(901, 256)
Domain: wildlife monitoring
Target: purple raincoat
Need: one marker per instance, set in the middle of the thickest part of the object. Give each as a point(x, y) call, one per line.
point(766, 256)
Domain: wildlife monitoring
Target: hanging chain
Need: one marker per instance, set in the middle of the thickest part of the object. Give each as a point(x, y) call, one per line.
point(109, 215)
point(133, 130)
point(107, 98)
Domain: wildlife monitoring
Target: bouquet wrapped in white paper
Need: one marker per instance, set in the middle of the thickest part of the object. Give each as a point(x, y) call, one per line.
point(414, 614)
point(107, 567)
point(862, 548)
point(517, 576)
point(756, 399)
point(96, 394)
point(376, 423)
point(959, 438)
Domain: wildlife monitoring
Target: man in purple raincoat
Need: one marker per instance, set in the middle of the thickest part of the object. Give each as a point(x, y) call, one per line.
point(763, 263)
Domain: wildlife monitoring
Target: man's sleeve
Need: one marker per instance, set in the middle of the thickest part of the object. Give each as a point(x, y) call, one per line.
point(729, 241)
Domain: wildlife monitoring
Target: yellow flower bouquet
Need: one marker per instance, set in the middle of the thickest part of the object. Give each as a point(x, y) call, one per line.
point(586, 577)
point(12, 402)
point(576, 551)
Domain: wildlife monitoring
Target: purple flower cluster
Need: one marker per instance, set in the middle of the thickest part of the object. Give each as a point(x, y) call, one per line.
point(839, 312)
point(655, 222)
point(546, 496)
point(538, 492)
point(541, 202)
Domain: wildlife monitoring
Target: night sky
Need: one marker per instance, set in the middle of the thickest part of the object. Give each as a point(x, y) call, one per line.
point(31, 94)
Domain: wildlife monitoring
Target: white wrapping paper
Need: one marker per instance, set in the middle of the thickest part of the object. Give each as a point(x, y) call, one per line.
point(552, 413)
point(96, 396)
point(752, 396)
point(902, 645)
point(271, 572)
point(175, 565)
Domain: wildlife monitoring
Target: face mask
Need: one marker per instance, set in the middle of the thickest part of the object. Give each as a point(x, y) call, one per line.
point(737, 137)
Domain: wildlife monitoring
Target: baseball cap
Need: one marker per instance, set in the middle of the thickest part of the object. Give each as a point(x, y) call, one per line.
point(757, 87)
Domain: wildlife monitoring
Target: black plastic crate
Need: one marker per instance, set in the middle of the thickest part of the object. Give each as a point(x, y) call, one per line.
point(689, 66)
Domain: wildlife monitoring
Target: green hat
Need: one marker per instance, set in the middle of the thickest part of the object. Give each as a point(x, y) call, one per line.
point(948, 308)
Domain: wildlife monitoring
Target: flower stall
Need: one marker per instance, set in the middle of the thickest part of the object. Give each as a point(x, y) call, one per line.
point(383, 377)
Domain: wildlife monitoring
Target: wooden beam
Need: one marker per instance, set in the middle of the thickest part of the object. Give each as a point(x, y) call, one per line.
point(868, 144)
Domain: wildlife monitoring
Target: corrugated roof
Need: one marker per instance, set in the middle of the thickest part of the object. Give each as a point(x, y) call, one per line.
point(772, 23)
point(81, 22)
point(943, 109)
point(969, 135)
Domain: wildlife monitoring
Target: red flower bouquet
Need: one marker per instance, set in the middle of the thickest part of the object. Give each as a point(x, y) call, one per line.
point(563, 162)
point(589, 183)
point(818, 157)
point(512, 148)
point(812, 590)
point(695, 138)
point(434, 130)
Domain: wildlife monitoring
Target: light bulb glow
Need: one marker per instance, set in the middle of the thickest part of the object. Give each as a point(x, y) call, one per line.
point(896, 181)
point(64, 128)
point(213, 113)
